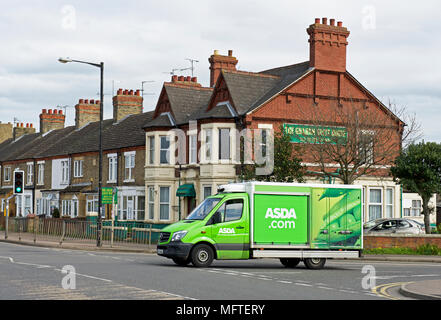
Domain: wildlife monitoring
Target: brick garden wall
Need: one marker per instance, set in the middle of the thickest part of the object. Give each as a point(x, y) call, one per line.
point(403, 241)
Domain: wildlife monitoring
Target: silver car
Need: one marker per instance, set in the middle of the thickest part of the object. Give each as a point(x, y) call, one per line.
point(392, 226)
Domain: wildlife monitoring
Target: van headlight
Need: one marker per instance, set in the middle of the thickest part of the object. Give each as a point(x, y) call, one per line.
point(179, 235)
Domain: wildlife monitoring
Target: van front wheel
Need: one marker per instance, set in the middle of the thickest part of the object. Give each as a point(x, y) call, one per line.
point(202, 255)
point(314, 263)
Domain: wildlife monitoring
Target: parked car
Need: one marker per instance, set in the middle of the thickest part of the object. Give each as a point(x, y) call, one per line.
point(393, 225)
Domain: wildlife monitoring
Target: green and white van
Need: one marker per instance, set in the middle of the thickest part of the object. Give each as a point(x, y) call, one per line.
point(290, 221)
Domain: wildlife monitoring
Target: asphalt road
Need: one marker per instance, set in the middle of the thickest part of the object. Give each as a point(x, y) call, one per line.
point(33, 273)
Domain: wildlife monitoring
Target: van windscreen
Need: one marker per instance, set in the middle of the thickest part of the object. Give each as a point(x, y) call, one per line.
point(203, 209)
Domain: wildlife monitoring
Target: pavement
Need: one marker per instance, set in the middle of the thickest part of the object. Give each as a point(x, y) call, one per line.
point(421, 290)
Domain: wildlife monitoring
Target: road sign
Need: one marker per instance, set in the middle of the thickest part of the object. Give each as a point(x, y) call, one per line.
point(106, 196)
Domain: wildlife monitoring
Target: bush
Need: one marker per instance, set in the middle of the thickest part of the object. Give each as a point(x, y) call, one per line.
point(426, 249)
point(56, 213)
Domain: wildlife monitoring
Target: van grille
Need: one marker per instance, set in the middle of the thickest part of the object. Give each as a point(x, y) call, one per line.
point(164, 236)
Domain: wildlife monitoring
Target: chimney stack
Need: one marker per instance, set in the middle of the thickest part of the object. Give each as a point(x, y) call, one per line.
point(86, 112)
point(21, 130)
point(5, 131)
point(219, 62)
point(52, 120)
point(126, 102)
point(185, 81)
point(327, 45)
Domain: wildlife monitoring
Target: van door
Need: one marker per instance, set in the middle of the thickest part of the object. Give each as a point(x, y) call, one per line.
point(231, 234)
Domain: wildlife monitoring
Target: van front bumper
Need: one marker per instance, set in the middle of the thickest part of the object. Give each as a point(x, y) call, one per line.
point(175, 249)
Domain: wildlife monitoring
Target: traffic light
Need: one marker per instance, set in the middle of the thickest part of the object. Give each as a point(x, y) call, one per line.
point(18, 182)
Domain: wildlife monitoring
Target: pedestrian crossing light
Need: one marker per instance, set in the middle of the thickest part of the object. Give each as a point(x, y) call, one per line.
point(18, 182)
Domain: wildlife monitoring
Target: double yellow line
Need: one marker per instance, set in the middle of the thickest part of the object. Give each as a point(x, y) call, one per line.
point(381, 290)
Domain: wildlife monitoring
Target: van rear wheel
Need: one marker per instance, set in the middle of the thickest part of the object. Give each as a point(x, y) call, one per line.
point(290, 262)
point(202, 255)
point(314, 263)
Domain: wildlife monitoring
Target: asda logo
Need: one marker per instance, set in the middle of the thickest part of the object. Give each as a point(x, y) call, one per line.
point(226, 230)
point(281, 213)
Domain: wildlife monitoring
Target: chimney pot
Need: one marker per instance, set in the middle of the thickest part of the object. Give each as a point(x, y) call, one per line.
point(92, 101)
point(44, 111)
point(81, 101)
point(131, 92)
point(60, 111)
point(230, 53)
point(27, 125)
point(340, 24)
point(49, 111)
point(31, 125)
point(324, 20)
point(332, 22)
point(138, 92)
point(174, 78)
point(119, 92)
point(181, 78)
point(216, 52)
point(125, 92)
point(188, 78)
point(21, 125)
point(97, 102)
point(194, 79)
point(317, 20)
point(86, 101)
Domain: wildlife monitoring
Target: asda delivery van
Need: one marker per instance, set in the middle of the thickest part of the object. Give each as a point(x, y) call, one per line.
point(290, 221)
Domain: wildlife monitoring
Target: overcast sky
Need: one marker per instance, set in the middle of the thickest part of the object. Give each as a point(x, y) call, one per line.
point(394, 48)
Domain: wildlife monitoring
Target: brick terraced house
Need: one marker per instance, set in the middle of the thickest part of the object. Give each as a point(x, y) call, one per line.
point(61, 163)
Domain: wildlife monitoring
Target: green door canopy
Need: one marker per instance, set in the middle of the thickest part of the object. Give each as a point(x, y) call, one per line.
point(186, 190)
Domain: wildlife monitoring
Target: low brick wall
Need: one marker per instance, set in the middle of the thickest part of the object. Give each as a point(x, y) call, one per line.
point(402, 241)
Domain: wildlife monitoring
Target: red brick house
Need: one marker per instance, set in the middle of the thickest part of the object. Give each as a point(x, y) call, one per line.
point(236, 100)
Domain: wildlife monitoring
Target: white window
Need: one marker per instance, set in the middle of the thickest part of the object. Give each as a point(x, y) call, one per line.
point(151, 200)
point(208, 144)
point(27, 205)
point(92, 204)
point(40, 177)
point(65, 171)
point(7, 173)
point(224, 144)
point(207, 191)
point(192, 148)
point(164, 203)
point(30, 173)
point(151, 149)
point(164, 155)
point(78, 168)
point(375, 203)
point(129, 165)
point(389, 205)
point(113, 167)
point(66, 208)
point(415, 210)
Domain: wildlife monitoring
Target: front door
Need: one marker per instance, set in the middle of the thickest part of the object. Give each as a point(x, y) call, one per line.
point(231, 234)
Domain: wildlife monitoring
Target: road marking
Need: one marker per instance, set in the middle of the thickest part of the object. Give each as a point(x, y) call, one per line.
point(383, 290)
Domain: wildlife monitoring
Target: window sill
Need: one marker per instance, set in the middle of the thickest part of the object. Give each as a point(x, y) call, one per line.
point(130, 180)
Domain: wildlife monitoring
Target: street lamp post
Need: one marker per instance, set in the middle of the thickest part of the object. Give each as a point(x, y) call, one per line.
point(100, 170)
